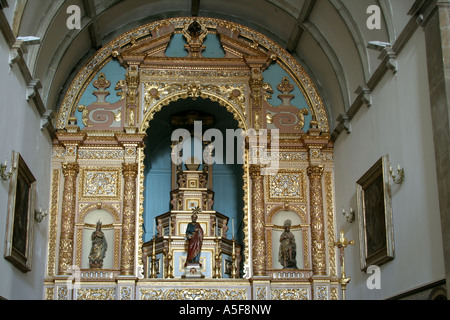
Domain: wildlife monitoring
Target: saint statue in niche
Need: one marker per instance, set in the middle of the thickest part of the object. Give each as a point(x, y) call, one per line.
point(98, 248)
point(288, 249)
point(194, 235)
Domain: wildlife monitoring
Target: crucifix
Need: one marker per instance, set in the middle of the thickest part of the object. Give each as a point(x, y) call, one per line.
point(342, 244)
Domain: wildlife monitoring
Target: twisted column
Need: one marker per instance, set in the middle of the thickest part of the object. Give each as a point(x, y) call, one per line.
point(259, 243)
point(130, 172)
point(317, 220)
point(70, 171)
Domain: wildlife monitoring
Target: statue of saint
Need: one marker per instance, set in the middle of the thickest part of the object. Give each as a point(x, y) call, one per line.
point(288, 248)
point(98, 248)
point(194, 235)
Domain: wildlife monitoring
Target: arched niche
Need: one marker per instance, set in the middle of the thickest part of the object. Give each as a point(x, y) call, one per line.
point(300, 229)
point(89, 226)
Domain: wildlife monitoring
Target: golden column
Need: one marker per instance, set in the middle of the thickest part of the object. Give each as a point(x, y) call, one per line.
point(130, 171)
point(315, 173)
point(70, 171)
point(259, 243)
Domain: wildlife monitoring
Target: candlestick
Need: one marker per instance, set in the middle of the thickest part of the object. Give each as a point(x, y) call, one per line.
point(233, 259)
point(232, 224)
point(216, 228)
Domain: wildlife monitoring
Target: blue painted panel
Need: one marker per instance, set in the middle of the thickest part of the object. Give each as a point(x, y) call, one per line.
point(176, 48)
point(274, 75)
point(114, 72)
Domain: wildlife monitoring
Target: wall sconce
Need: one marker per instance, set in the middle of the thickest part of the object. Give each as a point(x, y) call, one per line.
point(400, 177)
point(349, 216)
point(40, 214)
point(3, 175)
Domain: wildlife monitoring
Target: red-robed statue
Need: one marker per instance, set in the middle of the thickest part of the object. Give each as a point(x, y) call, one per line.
point(194, 234)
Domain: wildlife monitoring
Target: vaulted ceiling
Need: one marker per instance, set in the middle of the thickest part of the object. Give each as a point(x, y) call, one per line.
point(328, 37)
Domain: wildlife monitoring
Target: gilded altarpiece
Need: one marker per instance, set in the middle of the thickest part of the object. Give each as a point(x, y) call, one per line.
point(98, 168)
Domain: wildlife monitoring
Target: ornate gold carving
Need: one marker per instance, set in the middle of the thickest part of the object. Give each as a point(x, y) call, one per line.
point(289, 294)
point(70, 171)
point(100, 184)
point(330, 224)
point(88, 207)
point(193, 294)
point(321, 293)
point(62, 293)
point(130, 172)
point(317, 220)
point(287, 185)
point(195, 33)
point(234, 94)
point(284, 58)
point(261, 293)
point(258, 221)
point(99, 154)
point(51, 265)
point(126, 293)
point(95, 293)
point(49, 293)
point(334, 293)
point(132, 79)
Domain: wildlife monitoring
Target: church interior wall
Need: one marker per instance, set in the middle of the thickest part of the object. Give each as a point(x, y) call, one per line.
point(398, 124)
point(21, 132)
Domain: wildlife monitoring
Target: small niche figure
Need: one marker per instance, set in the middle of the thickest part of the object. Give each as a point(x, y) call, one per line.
point(98, 249)
point(288, 249)
point(194, 235)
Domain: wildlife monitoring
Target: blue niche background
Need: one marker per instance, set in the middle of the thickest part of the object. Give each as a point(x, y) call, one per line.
point(227, 178)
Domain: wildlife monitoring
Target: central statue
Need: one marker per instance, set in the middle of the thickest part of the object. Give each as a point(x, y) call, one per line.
point(194, 235)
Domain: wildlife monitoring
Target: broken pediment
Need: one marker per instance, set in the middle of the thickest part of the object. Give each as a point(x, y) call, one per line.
point(150, 50)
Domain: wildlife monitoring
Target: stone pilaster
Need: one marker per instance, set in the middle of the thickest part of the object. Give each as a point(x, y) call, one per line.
point(130, 172)
point(70, 171)
point(436, 23)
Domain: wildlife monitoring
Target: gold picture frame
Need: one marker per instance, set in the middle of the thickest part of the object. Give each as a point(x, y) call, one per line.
point(376, 234)
point(20, 218)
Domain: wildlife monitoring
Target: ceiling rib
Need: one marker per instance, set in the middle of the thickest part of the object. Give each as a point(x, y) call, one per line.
point(195, 7)
point(298, 29)
point(94, 29)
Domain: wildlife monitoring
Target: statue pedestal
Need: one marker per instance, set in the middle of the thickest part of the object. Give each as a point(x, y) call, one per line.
point(192, 271)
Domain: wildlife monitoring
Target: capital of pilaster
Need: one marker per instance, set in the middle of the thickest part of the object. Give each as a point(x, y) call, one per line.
point(315, 172)
point(70, 169)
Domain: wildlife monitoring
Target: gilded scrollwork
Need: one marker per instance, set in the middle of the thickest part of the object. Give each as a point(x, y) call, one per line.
point(317, 220)
point(157, 91)
point(287, 185)
point(70, 171)
point(258, 220)
point(95, 293)
point(330, 224)
point(290, 293)
point(130, 172)
point(193, 294)
point(51, 265)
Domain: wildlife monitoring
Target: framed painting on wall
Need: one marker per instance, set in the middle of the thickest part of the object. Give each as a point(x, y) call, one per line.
point(375, 215)
point(20, 218)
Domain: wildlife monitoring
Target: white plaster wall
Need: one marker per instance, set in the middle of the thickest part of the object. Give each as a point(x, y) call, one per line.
point(397, 124)
point(20, 129)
